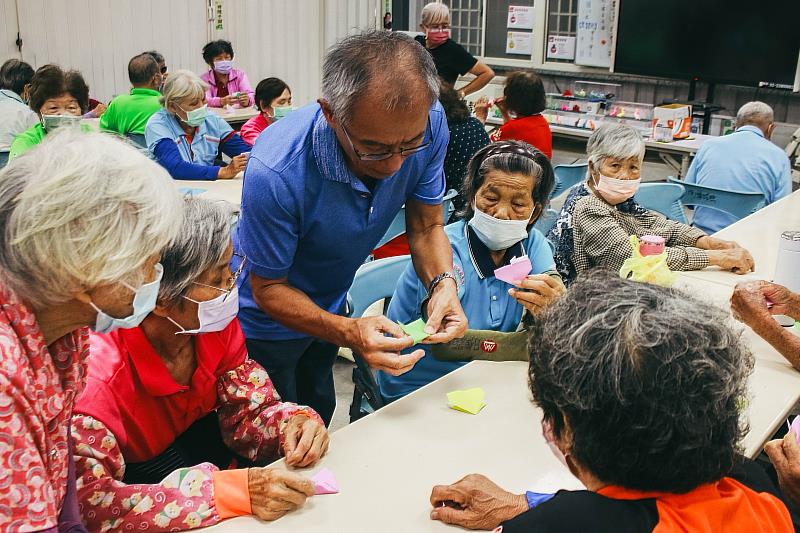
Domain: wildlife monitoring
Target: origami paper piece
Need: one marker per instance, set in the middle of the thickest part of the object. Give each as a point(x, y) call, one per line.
point(325, 482)
point(467, 401)
point(415, 330)
point(515, 271)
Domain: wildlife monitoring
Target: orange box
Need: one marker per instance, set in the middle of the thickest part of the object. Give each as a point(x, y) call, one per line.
point(672, 121)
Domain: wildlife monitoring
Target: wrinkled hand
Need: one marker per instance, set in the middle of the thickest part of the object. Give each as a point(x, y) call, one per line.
point(749, 305)
point(233, 168)
point(737, 260)
point(274, 492)
point(244, 99)
point(785, 457)
point(475, 502)
point(537, 291)
point(446, 318)
point(368, 339)
point(481, 107)
point(305, 441)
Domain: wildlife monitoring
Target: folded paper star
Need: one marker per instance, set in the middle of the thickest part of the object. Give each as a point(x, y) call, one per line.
point(325, 482)
point(515, 271)
point(467, 401)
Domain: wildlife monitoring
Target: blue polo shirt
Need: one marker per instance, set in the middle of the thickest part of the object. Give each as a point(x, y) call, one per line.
point(307, 217)
point(203, 147)
point(743, 161)
point(485, 300)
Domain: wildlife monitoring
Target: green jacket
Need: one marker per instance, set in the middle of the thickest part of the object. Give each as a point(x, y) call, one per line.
point(129, 113)
point(32, 137)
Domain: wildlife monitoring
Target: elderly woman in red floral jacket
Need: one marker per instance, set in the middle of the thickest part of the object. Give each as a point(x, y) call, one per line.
point(84, 218)
point(174, 409)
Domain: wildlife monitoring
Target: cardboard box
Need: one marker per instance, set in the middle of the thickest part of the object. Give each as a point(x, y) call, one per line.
point(673, 121)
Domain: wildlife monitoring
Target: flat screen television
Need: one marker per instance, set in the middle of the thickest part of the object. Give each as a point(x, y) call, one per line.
point(740, 42)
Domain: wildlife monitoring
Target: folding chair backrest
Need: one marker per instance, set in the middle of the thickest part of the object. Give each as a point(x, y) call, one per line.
point(568, 176)
point(664, 198)
point(737, 203)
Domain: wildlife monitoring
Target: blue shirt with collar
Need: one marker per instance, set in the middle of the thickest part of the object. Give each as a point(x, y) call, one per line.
point(307, 217)
point(485, 299)
point(743, 161)
point(164, 134)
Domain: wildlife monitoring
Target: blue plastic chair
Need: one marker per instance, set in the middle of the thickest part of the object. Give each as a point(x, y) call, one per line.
point(736, 203)
point(546, 221)
point(398, 225)
point(374, 281)
point(137, 139)
point(568, 176)
point(664, 198)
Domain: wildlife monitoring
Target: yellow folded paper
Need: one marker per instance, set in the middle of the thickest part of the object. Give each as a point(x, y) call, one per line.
point(467, 401)
point(649, 269)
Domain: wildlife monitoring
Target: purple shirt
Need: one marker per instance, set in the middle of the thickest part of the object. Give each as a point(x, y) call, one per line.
point(237, 83)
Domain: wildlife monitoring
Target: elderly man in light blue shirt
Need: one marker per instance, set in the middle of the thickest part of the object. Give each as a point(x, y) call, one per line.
point(744, 161)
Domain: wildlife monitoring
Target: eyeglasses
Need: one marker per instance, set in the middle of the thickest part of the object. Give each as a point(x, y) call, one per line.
point(164, 69)
point(233, 280)
point(403, 152)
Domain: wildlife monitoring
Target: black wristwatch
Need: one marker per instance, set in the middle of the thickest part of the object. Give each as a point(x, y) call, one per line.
point(432, 285)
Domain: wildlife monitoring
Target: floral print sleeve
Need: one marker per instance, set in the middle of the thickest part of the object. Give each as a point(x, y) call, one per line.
point(251, 414)
point(183, 500)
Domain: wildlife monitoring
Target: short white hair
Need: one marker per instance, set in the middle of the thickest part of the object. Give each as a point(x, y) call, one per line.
point(435, 13)
point(615, 141)
point(80, 211)
point(756, 113)
point(182, 84)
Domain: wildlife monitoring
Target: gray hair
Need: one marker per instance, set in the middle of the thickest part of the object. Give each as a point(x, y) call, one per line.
point(755, 113)
point(80, 211)
point(358, 63)
point(617, 141)
point(201, 243)
point(650, 381)
point(434, 13)
point(182, 84)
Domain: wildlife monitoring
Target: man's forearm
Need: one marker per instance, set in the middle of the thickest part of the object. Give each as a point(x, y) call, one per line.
point(293, 308)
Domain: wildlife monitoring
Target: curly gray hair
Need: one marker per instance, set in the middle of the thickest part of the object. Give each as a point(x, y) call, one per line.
point(356, 64)
point(650, 381)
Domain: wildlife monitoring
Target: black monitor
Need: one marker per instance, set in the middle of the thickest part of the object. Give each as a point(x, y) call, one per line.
point(740, 42)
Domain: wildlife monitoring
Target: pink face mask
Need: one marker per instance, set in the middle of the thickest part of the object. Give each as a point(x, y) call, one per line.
point(437, 37)
point(616, 191)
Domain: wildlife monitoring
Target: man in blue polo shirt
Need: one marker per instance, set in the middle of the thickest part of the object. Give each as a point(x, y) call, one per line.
point(320, 192)
point(744, 161)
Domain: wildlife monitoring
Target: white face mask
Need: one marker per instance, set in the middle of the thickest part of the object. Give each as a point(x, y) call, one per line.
point(51, 122)
point(616, 191)
point(499, 234)
point(213, 315)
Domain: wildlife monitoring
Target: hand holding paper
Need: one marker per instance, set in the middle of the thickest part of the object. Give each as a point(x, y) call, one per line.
point(415, 330)
point(515, 271)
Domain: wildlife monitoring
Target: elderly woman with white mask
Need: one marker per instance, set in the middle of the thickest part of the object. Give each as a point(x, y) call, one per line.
point(599, 216)
point(84, 219)
point(174, 408)
point(505, 189)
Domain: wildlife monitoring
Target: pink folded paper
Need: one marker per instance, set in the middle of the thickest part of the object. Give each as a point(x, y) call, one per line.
point(795, 428)
point(325, 482)
point(515, 271)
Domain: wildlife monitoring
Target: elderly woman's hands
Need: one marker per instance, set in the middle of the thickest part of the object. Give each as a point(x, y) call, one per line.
point(274, 492)
point(737, 260)
point(785, 457)
point(482, 109)
point(749, 302)
point(712, 243)
point(233, 168)
point(537, 291)
point(475, 502)
point(305, 441)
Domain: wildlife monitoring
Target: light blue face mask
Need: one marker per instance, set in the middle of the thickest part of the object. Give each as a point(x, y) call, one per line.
point(195, 117)
point(144, 301)
point(51, 122)
point(282, 111)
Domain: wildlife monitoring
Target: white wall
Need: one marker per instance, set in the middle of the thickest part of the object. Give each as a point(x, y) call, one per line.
point(283, 38)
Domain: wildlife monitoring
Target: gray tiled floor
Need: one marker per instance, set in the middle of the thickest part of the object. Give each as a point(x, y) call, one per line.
point(564, 152)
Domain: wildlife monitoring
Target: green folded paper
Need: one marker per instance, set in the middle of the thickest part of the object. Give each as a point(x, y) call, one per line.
point(415, 330)
point(467, 401)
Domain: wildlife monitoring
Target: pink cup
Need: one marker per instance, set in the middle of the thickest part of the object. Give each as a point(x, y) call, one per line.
point(651, 245)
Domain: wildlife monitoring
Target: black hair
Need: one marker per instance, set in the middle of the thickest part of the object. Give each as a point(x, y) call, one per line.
point(511, 157)
point(50, 81)
point(215, 48)
point(155, 55)
point(15, 75)
point(524, 93)
point(269, 89)
point(455, 109)
point(141, 69)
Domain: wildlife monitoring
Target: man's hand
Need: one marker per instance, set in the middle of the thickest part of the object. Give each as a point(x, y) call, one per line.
point(274, 492)
point(305, 441)
point(475, 502)
point(368, 339)
point(785, 457)
point(446, 318)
